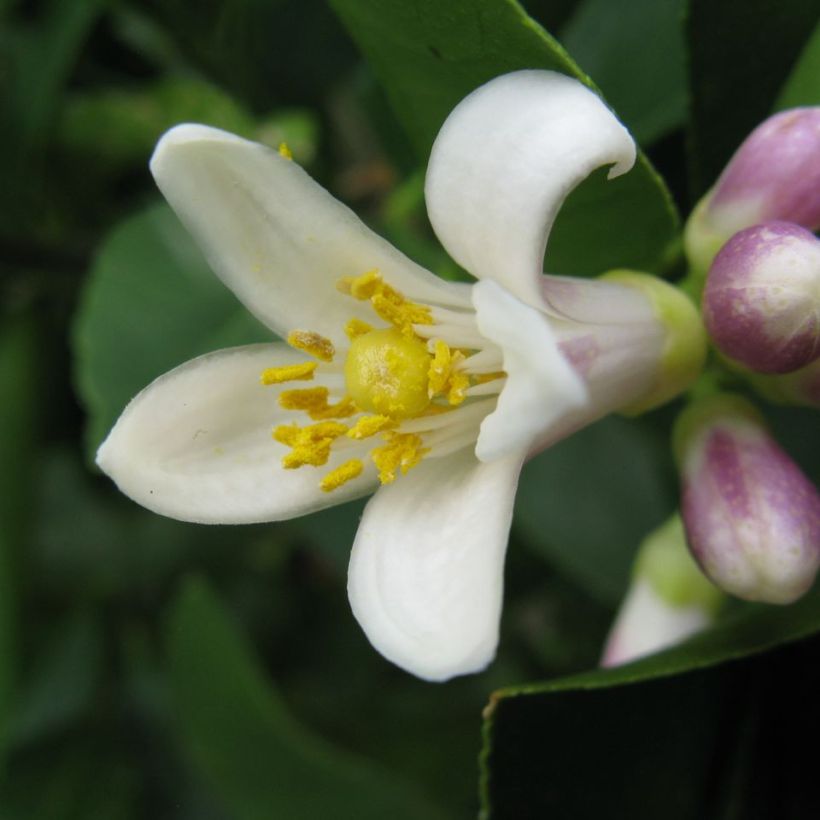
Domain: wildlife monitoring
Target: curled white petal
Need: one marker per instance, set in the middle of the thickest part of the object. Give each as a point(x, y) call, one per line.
point(542, 386)
point(503, 163)
point(426, 572)
point(196, 445)
point(277, 238)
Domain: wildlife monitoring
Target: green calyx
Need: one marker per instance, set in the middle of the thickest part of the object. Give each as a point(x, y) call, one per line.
point(701, 243)
point(684, 351)
point(664, 561)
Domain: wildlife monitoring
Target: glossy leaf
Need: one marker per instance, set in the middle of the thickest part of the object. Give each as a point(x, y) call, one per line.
point(802, 87)
point(430, 55)
point(635, 52)
point(686, 733)
point(150, 304)
point(248, 749)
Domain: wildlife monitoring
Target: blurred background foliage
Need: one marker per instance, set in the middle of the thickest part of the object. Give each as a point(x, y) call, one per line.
point(155, 669)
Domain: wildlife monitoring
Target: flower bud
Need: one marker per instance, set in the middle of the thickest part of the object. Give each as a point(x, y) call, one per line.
point(669, 598)
point(752, 518)
point(761, 303)
point(775, 174)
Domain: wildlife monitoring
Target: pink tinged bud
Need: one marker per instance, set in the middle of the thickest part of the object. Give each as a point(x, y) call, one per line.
point(761, 303)
point(752, 518)
point(775, 174)
point(668, 601)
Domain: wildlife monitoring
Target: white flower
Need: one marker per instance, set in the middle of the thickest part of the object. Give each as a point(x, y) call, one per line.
point(449, 403)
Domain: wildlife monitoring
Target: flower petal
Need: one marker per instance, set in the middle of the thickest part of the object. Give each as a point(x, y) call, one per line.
point(542, 386)
point(426, 572)
point(503, 163)
point(277, 239)
point(196, 445)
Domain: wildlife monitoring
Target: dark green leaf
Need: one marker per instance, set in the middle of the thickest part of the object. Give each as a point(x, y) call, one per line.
point(684, 734)
point(740, 54)
point(635, 52)
point(151, 303)
point(61, 685)
point(18, 417)
point(802, 87)
point(248, 749)
point(587, 503)
point(38, 59)
point(429, 55)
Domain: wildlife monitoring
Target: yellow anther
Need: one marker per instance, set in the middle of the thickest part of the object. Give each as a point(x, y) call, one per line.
point(285, 151)
point(458, 384)
point(400, 313)
point(367, 285)
point(313, 400)
point(288, 373)
point(341, 475)
point(402, 452)
point(311, 445)
point(356, 327)
point(309, 398)
point(444, 378)
point(368, 426)
point(439, 368)
point(386, 374)
point(312, 343)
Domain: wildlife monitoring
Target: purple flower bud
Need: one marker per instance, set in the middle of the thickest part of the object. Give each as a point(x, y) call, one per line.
point(802, 387)
point(775, 174)
point(752, 518)
point(761, 303)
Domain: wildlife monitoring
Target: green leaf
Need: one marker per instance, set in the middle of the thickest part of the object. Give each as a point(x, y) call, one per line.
point(635, 51)
point(151, 303)
point(62, 683)
point(802, 87)
point(18, 422)
point(429, 55)
point(586, 503)
point(37, 59)
point(238, 734)
point(678, 735)
point(740, 54)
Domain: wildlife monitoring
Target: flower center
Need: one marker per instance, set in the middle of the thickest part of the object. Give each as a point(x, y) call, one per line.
point(387, 373)
point(403, 385)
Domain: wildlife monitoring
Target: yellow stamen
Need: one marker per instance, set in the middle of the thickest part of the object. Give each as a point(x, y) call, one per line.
point(288, 373)
point(356, 327)
point(285, 151)
point(457, 392)
point(402, 452)
point(401, 314)
point(368, 426)
point(341, 475)
point(362, 287)
point(313, 400)
point(312, 343)
point(311, 445)
point(439, 368)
